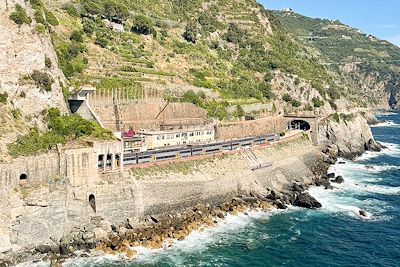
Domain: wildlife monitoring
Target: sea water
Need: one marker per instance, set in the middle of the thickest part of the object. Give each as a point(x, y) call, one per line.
point(335, 235)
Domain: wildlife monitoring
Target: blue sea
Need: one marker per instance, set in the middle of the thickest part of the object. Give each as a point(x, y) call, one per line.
point(333, 236)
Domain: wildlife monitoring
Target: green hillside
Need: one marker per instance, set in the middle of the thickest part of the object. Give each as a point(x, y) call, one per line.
point(340, 44)
point(229, 47)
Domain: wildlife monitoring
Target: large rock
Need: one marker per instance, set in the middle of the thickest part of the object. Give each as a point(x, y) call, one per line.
point(350, 134)
point(305, 200)
point(338, 180)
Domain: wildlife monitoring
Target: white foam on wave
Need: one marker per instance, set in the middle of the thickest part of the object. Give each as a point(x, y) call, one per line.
point(389, 123)
point(360, 181)
point(196, 242)
point(199, 241)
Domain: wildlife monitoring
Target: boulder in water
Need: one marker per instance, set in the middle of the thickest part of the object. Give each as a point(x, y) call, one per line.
point(363, 213)
point(280, 205)
point(338, 180)
point(331, 175)
point(305, 200)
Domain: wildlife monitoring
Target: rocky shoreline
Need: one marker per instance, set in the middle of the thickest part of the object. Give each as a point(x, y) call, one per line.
point(100, 236)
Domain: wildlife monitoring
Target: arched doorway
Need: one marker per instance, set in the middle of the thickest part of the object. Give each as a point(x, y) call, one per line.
point(23, 178)
point(92, 202)
point(299, 125)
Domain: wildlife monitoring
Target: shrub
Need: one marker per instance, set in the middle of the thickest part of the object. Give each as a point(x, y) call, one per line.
point(335, 117)
point(142, 25)
point(71, 10)
point(286, 98)
point(22, 94)
point(76, 36)
point(3, 97)
point(191, 97)
point(101, 41)
point(40, 28)
point(295, 103)
point(42, 80)
point(50, 18)
point(16, 113)
point(47, 62)
point(61, 129)
point(317, 102)
point(297, 81)
point(190, 33)
point(19, 16)
point(240, 111)
point(39, 17)
point(234, 34)
point(36, 4)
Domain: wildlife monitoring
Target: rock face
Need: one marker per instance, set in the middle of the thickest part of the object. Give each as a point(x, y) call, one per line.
point(305, 200)
point(349, 137)
point(23, 50)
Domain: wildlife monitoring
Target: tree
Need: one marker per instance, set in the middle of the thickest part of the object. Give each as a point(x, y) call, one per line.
point(234, 34)
point(142, 25)
point(191, 32)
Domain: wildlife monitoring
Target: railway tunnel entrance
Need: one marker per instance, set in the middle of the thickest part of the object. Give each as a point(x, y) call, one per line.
point(299, 125)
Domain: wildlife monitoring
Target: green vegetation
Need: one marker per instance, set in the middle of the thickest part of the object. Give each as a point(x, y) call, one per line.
point(42, 80)
point(317, 102)
point(340, 44)
point(191, 32)
point(47, 62)
point(71, 10)
point(295, 103)
point(61, 129)
point(142, 25)
point(239, 111)
point(3, 97)
point(19, 16)
point(70, 54)
point(43, 15)
point(335, 117)
point(287, 98)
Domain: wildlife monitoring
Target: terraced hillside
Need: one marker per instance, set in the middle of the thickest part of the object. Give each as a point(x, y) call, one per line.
point(368, 64)
point(217, 54)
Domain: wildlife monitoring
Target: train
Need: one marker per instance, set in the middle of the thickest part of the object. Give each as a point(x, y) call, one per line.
point(190, 150)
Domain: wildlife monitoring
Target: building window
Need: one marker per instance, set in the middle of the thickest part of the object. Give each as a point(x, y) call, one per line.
point(191, 134)
point(178, 135)
point(209, 132)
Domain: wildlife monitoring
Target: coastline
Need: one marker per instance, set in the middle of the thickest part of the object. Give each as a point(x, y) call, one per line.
point(172, 205)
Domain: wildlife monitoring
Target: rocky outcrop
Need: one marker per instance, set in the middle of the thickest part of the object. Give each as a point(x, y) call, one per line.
point(305, 200)
point(346, 135)
point(22, 51)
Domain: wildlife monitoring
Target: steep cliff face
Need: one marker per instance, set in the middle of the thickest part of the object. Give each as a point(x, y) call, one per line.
point(346, 135)
point(23, 50)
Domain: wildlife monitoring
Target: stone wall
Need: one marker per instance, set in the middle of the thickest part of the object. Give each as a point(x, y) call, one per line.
point(250, 128)
point(38, 169)
point(144, 116)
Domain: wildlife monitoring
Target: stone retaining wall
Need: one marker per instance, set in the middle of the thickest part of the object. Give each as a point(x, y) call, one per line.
point(256, 127)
